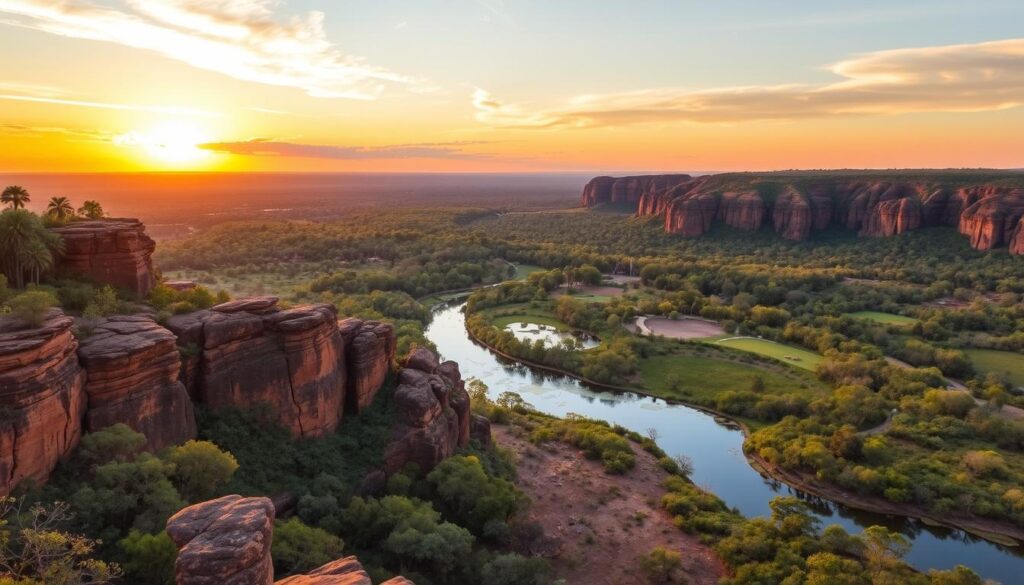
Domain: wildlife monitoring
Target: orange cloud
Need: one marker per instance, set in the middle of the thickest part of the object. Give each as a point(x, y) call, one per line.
point(266, 147)
point(955, 78)
point(237, 38)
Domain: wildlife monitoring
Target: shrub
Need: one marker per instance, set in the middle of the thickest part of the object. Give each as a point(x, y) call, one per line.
point(32, 306)
point(661, 565)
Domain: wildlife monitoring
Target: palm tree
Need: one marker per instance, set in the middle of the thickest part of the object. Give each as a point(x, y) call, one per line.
point(15, 196)
point(18, 228)
point(92, 210)
point(36, 258)
point(60, 208)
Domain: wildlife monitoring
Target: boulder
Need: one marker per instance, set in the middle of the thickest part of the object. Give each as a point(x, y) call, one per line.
point(132, 366)
point(224, 542)
point(433, 413)
point(42, 398)
point(480, 429)
point(250, 352)
point(346, 571)
point(111, 251)
point(370, 348)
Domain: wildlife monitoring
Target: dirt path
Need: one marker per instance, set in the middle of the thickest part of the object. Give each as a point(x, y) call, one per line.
point(682, 328)
point(603, 523)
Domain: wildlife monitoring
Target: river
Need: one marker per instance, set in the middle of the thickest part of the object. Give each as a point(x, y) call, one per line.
point(715, 448)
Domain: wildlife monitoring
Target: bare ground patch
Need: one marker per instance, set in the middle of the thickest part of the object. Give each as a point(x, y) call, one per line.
point(683, 328)
point(602, 523)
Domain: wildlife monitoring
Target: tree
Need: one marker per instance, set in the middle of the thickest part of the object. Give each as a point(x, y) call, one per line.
point(299, 548)
point(32, 306)
point(149, 558)
point(36, 258)
point(15, 196)
point(60, 208)
point(35, 550)
point(200, 467)
point(91, 210)
point(513, 569)
point(18, 228)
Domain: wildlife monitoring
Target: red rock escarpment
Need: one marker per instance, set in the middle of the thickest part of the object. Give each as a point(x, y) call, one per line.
point(1017, 241)
point(41, 398)
point(369, 350)
point(132, 366)
point(993, 220)
point(227, 541)
point(433, 410)
point(988, 215)
point(250, 352)
point(626, 189)
point(111, 251)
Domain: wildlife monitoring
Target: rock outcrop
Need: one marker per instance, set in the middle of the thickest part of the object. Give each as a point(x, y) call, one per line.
point(369, 350)
point(227, 541)
point(433, 411)
point(224, 542)
point(250, 352)
point(132, 366)
point(796, 205)
point(627, 189)
point(110, 251)
point(41, 398)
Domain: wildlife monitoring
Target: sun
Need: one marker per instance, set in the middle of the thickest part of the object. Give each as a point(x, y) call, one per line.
point(172, 144)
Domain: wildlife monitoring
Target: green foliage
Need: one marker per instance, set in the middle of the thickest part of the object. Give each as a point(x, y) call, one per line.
point(513, 569)
point(662, 566)
point(36, 550)
point(470, 497)
point(200, 468)
point(148, 558)
point(176, 301)
point(298, 548)
point(32, 306)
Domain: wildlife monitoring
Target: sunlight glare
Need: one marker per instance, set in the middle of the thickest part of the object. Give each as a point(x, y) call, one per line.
point(171, 143)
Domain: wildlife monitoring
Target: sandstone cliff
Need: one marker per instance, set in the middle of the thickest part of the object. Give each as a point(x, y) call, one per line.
point(250, 352)
point(627, 189)
point(796, 206)
point(132, 366)
point(110, 251)
point(369, 350)
point(41, 398)
point(433, 411)
point(227, 542)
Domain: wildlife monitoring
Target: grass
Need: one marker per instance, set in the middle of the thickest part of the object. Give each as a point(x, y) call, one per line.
point(805, 360)
point(249, 284)
point(506, 320)
point(589, 298)
point(703, 373)
point(524, 270)
point(883, 318)
point(1002, 362)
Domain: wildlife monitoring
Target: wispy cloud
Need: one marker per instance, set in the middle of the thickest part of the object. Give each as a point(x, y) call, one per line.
point(109, 106)
point(271, 147)
point(955, 78)
point(73, 134)
point(238, 38)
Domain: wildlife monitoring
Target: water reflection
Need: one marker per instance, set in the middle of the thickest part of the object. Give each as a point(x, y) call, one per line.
point(551, 337)
point(714, 446)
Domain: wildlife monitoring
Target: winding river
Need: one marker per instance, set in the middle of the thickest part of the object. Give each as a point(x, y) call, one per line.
point(714, 446)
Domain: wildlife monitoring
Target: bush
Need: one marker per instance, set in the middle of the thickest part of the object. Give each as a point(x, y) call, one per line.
point(661, 565)
point(298, 548)
point(149, 558)
point(200, 467)
point(32, 306)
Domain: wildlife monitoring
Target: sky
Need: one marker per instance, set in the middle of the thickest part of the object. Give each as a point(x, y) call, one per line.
point(509, 85)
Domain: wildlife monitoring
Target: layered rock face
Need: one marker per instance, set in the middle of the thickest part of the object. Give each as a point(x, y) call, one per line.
point(250, 352)
point(369, 350)
point(433, 410)
point(42, 399)
point(227, 542)
point(796, 206)
point(111, 251)
point(132, 366)
point(627, 189)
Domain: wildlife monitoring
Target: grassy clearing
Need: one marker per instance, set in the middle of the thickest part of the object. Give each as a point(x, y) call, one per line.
point(589, 298)
point(250, 284)
point(524, 270)
point(883, 318)
point(1003, 362)
point(794, 356)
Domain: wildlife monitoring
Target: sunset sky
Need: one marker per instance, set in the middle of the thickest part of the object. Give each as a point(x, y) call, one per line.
point(513, 85)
